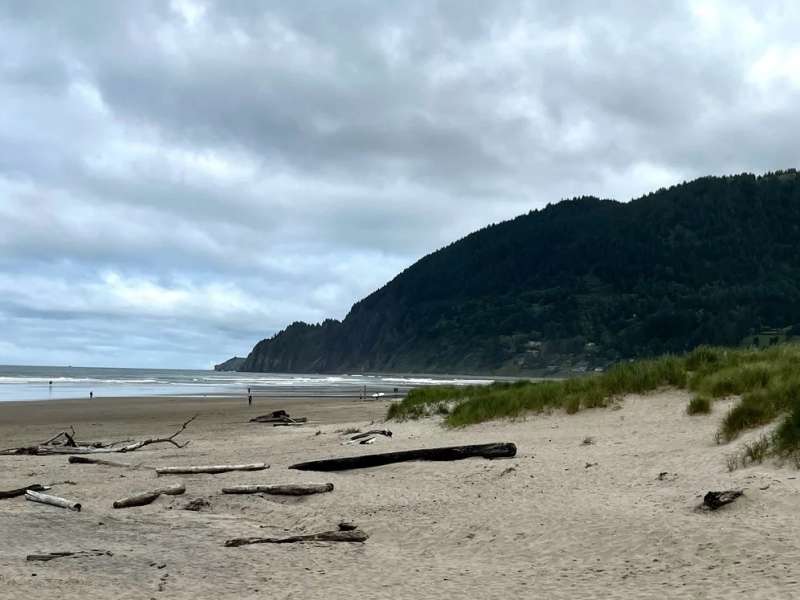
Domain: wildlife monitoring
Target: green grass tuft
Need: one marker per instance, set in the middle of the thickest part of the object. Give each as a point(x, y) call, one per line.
point(699, 405)
point(767, 382)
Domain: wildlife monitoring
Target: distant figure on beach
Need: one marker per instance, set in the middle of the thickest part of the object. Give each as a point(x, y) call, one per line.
point(50, 383)
point(91, 395)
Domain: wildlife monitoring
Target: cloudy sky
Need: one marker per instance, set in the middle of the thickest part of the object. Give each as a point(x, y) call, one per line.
point(180, 179)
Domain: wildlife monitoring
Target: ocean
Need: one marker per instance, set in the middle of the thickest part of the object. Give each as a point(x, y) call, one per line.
point(53, 383)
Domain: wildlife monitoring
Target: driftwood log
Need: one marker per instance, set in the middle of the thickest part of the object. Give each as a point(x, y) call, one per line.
point(278, 417)
point(46, 556)
point(374, 432)
point(715, 500)
point(52, 500)
point(351, 535)
point(305, 489)
point(148, 497)
point(499, 450)
point(86, 460)
point(34, 487)
point(212, 469)
point(46, 449)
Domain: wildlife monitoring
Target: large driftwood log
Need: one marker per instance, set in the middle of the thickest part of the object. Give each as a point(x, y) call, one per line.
point(34, 487)
point(304, 489)
point(148, 497)
point(715, 500)
point(46, 556)
point(499, 450)
point(210, 469)
point(354, 535)
point(52, 500)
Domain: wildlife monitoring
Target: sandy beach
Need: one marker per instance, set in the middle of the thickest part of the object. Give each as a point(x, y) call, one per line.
point(563, 519)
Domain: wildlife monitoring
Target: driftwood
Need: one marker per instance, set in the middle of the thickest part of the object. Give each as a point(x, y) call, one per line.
point(148, 497)
point(374, 432)
point(52, 500)
point(45, 449)
point(278, 417)
point(46, 556)
point(340, 535)
point(34, 487)
point(305, 489)
point(715, 500)
point(499, 450)
point(212, 469)
point(86, 460)
point(166, 440)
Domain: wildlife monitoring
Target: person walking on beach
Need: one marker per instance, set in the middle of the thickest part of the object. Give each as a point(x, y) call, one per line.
point(91, 395)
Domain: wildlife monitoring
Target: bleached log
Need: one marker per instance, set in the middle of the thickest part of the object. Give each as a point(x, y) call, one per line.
point(305, 489)
point(499, 450)
point(355, 535)
point(148, 497)
point(34, 487)
point(212, 469)
point(52, 500)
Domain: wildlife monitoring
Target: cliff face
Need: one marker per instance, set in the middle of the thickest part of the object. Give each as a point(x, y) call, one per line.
point(232, 364)
point(577, 284)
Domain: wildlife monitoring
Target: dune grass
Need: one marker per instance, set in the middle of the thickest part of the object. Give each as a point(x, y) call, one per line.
point(767, 382)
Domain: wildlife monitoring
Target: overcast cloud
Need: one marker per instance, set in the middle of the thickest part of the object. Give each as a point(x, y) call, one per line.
point(181, 179)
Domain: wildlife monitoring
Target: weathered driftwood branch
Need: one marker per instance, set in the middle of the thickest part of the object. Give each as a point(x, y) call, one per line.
point(34, 487)
point(210, 469)
point(715, 500)
point(499, 450)
point(148, 497)
point(45, 556)
point(44, 449)
point(304, 489)
point(353, 535)
point(373, 432)
point(166, 440)
point(52, 500)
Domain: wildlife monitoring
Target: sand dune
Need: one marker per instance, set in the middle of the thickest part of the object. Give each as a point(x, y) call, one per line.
point(543, 524)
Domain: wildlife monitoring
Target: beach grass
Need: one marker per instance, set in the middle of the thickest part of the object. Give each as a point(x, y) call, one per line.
point(767, 383)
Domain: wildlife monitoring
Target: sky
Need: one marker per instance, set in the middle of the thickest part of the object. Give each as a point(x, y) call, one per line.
point(179, 180)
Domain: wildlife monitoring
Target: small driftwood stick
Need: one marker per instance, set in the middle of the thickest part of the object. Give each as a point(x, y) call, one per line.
point(34, 487)
point(305, 489)
point(52, 500)
point(85, 460)
point(373, 432)
point(212, 469)
point(46, 556)
point(148, 497)
point(499, 450)
point(354, 535)
point(715, 500)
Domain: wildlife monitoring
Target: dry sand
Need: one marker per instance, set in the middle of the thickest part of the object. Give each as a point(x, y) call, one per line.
point(543, 524)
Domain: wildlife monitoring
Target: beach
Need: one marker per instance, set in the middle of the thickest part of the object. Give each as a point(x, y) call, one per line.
point(600, 504)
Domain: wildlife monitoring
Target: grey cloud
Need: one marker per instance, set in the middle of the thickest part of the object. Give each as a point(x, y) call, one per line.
point(249, 164)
